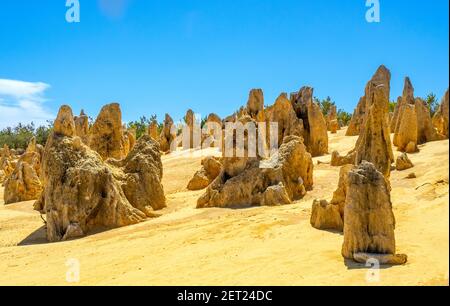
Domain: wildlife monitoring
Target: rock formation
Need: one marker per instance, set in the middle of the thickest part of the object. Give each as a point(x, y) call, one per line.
point(440, 119)
point(406, 135)
point(325, 216)
point(211, 168)
point(246, 181)
point(332, 120)
point(369, 221)
point(255, 105)
point(314, 125)
point(153, 130)
point(284, 115)
point(337, 160)
point(83, 192)
point(82, 127)
point(24, 183)
point(106, 135)
point(168, 134)
point(6, 163)
point(129, 139)
point(403, 162)
point(374, 143)
point(330, 216)
point(357, 121)
point(412, 114)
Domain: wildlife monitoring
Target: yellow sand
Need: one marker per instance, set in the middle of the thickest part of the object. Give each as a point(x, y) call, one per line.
point(257, 246)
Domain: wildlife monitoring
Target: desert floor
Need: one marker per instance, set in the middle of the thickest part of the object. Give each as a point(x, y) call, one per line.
point(255, 246)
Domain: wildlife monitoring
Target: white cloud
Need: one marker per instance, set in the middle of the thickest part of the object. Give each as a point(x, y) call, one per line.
point(23, 102)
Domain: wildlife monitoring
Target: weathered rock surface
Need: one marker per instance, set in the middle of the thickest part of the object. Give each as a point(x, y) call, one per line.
point(83, 192)
point(332, 120)
point(369, 222)
point(325, 216)
point(338, 160)
point(425, 129)
point(440, 119)
point(255, 105)
point(106, 135)
point(314, 125)
point(406, 135)
point(23, 183)
point(374, 143)
point(403, 162)
point(168, 134)
point(153, 130)
point(284, 115)
point(82, 127)
point(211, 168)
point(357, 121)
point(246, 182)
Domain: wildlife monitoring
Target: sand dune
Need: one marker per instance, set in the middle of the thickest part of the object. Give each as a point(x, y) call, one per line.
point(256, 246)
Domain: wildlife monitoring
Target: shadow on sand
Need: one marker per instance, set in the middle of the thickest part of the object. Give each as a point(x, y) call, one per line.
point(352, 265)
point(36, 237)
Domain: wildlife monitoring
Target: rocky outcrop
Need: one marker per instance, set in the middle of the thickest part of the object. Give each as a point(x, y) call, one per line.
point(82, 126)
point(374, 143)
point(330, 216)
point(106, 135)
point(211, 168)
point(246, 181)
point(282, 113)
point(369, 221)
point(440, 118)
point(357, 121)
point(338, 160)
point(153, 130)
point(325, 216)
point(255, 105)
point(23, 183)
point(406, 135)
point(6, 163)
point(314, 125)
point(412, 114)
point(403, 162)
point(332, 120)
point(129, 139)
point(425, 129)
point(82, 192)
point(168, 134)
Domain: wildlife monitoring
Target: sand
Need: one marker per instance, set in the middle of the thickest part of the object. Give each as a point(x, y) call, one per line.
point(255, 246)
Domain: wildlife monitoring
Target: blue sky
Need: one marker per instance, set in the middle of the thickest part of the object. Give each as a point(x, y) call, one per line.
point(158, 56)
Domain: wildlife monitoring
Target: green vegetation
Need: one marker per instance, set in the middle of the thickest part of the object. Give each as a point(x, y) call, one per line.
point(18, 137)
point(326, 104)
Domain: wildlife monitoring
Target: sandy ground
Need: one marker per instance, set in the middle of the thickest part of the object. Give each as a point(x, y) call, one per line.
point(256, 246)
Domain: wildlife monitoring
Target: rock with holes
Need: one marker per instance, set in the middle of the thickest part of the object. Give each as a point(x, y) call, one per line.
point(246, 181)
point(282, 113)
point(314, 125)
point(24, 183)
point(82, 192)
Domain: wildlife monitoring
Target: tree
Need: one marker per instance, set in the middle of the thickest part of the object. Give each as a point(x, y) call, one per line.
point(325, 105)
point(140, 126)
point(432, 103)
point(344, 118)
point(392, 106)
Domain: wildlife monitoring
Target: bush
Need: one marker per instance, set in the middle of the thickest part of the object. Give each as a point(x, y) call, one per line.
point(19, 136)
